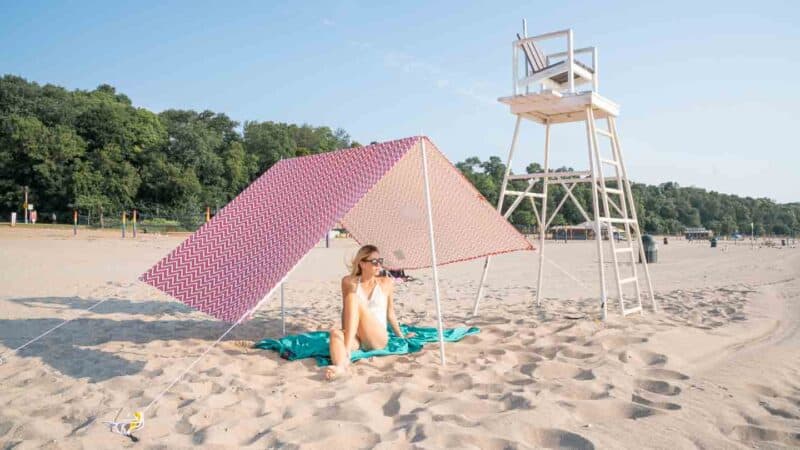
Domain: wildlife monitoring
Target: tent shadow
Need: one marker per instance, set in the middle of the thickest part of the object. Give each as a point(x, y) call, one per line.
point(68, 349)
point(110, 306)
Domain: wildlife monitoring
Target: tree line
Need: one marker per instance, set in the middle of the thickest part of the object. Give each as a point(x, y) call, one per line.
point(663, 209)
point(95, 151)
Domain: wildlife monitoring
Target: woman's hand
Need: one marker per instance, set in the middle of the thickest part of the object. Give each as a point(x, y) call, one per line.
point(409, 335)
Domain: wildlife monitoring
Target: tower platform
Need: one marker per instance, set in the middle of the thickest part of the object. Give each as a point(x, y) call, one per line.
point(559, 107)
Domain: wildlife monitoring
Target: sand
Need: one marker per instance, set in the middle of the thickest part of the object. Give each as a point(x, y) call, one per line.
point(717, 367)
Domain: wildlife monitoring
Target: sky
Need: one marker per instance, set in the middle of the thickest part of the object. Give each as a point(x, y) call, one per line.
point(707, 90)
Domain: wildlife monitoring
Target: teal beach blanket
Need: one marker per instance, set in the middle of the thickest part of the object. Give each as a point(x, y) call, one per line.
point(315, 344)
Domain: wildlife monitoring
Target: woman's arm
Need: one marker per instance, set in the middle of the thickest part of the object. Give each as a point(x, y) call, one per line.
point(390, 309)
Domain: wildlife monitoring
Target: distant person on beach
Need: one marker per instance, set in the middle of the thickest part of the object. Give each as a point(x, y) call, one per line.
point(367, 308)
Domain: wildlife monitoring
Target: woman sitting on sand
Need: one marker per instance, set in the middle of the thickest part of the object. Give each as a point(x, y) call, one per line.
point(367, 306)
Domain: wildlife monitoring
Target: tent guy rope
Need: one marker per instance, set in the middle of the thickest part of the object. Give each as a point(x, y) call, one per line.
point(3, 357)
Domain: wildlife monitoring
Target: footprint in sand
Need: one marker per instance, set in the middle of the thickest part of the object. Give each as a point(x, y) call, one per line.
point(559, 370)
point(213, 372)
point(547, 352)
point(665, 374)
point(528, 369)
point(512, 401)
point(611, 343)
point(454, 419)
point(608, 409)
point(183, 426)
point(555, 438)
point(392, 406)
point(639, 400)
point(641, 357)
point(583, 391)
point(657, 387)
point(750, 433)
point(457, 440)
point(777, 411)
point(572, 353)
point(764, 390)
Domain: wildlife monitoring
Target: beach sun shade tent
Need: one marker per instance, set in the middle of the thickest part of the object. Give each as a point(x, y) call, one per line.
point(380, 193)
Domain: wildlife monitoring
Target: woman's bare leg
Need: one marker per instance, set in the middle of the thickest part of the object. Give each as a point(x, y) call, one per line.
point(340, 356)
point(360, 328)
point(344, 341)
point(351, 320)
point(370, 333)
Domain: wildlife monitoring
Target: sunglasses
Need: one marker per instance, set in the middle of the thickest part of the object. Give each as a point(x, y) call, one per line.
point(374, 261)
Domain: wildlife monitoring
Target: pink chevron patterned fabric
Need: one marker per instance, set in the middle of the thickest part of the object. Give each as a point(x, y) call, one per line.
point(465, 225)
point(227, 266)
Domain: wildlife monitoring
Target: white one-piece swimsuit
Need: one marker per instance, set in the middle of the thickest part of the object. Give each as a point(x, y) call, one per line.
point(376, 304)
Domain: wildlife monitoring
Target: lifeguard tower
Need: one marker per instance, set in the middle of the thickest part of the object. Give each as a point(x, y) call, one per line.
point(545, 92)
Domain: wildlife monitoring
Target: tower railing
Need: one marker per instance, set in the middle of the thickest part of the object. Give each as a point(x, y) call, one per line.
point(558, 71)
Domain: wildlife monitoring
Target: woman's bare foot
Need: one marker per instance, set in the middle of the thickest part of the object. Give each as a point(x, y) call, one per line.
point(333, 371)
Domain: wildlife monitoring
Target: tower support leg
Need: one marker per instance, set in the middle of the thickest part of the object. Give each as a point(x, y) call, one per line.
point(500, 200)
point(543, 218)
point(598, 236)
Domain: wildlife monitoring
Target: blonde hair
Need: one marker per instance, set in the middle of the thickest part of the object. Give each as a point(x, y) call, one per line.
point(363, 252)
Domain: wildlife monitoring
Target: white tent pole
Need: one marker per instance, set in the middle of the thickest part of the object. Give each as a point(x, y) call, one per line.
point(433, 251)
point(283, 312)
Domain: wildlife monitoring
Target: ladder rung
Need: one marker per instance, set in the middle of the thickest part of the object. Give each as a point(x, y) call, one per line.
point(610, 162)
point(627, 280)
point(623, 250)
point(527, 194)
point(604, 132)
point(616, 220)
point(635, 309)
point(613, 190)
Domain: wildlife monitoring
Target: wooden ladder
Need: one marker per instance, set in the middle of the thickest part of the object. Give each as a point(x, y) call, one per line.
point(617, 208)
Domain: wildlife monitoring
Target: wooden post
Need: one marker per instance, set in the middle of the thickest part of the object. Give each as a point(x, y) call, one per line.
point(134, 222)
point(124, 222)
point(208, 213)
point(74, 222)
point(26, 204)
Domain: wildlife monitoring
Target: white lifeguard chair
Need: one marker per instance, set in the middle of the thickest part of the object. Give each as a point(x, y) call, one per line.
point(545, 92)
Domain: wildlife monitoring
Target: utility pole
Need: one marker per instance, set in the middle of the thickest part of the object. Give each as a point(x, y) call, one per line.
point(25, 204)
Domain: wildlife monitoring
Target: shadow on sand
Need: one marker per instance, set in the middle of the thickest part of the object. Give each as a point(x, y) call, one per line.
point(65, 349)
